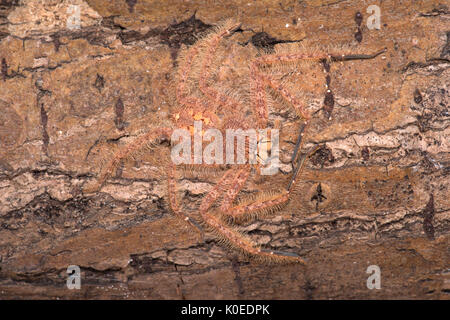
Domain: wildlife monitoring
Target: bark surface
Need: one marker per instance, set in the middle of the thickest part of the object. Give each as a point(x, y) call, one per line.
point(376, 192)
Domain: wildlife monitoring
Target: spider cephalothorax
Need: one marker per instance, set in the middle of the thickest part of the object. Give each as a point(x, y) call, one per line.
point(202, 101)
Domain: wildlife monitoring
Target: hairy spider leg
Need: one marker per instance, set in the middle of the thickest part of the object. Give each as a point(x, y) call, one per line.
point(182, 92)
point(236, 186)
point(271, 59)
point(264, 80)
point(211, 43)
point(234, 238)
point(259, 97)
point(267, 203)
point(146, 140)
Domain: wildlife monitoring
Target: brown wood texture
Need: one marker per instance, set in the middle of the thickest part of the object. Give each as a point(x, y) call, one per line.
point(375, 193)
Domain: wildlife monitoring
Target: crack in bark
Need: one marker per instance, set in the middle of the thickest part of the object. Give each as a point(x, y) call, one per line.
point(441, 10)
point(43, 114)
point(431, 62)
point(428, 214)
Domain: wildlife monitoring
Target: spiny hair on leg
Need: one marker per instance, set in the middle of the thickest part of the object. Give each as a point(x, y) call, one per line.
point(210, 40)
point(258, 206)
point(235, 240)
point(106, 155)
point(225, 27)
point(288, 56)
point(110, 161)
point(278, 106)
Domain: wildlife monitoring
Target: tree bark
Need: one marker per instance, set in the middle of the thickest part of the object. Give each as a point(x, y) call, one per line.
point(375, 192)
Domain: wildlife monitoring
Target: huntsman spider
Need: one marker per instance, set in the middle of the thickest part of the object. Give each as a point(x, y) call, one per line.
point(199, 98)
